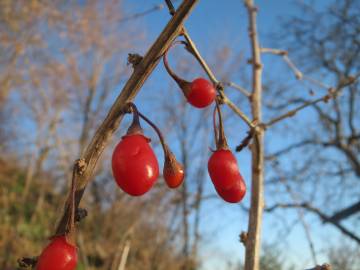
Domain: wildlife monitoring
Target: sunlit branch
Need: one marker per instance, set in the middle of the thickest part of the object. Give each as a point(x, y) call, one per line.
point(298, 74)
point(238, 87)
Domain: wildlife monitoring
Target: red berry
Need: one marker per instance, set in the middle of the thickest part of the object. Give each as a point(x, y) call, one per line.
point(225, 175)
point(134, 164)
point(223, 169)
point(173, 174)
point(202, 93)
point(233, 194)
point(58, 255)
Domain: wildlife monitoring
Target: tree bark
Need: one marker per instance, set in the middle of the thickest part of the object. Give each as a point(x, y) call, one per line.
point(253, 242)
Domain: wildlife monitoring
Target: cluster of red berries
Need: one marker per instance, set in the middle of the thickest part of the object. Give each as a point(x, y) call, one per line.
point(136, 169)
point(134, 164)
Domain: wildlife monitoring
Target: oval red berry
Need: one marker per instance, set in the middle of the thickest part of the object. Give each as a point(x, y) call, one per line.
point(134, 164)
point(223, 169)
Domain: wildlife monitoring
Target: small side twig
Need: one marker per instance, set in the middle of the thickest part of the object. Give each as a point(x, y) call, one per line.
point(27, 263)
point(238, 87)
point(298, 74)
point(245, 142)
point(134, 59)
point(332, 93)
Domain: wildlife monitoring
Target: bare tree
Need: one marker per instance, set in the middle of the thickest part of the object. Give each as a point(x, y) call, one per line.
point(329, 150)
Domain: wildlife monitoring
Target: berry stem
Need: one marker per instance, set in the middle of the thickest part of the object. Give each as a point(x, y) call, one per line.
point(183, 84)
point(221, 141)
point(135, 127)
point(158, 132)
point(215, 127)
point(70, 232)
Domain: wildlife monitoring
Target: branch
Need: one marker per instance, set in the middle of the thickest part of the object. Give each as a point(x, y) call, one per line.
point(345, 213)
point(298, 74)
point(128, 93)
point(332, 94)
point(253, 242)
point(238, 87)
point(318, 212)
point(290, 148)
point(143, 13)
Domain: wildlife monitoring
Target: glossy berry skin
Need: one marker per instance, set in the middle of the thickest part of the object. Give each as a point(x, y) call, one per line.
point(225, 175)
point(134, 164)
point(234, 194)
point(202, 93)
point(173, 176)
point(58, 255)
point(223, 169)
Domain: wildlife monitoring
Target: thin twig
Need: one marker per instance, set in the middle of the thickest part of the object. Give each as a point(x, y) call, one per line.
point(238, 87)
point(332, 93)
point(298, 74)
point(300, 212)
point(319, 213)
point(143, 13)
point(232, 106)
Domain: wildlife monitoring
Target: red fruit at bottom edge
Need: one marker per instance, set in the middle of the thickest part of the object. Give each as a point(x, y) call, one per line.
point(58, 255)
point(234, 194)
point(202, 93)
point(134, 164)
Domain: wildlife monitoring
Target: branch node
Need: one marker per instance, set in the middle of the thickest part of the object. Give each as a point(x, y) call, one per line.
point(299, 75)
point(243, 237)
point(220, 86)
point(80, 166)
point(80, 214)
point(26, 262)
point(134, 59)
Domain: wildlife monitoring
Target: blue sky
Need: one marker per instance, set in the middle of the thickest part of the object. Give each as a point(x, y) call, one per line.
point(214, 24)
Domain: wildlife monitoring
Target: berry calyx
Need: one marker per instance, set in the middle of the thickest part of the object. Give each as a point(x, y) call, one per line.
point(58, 255)
point(200, 92)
